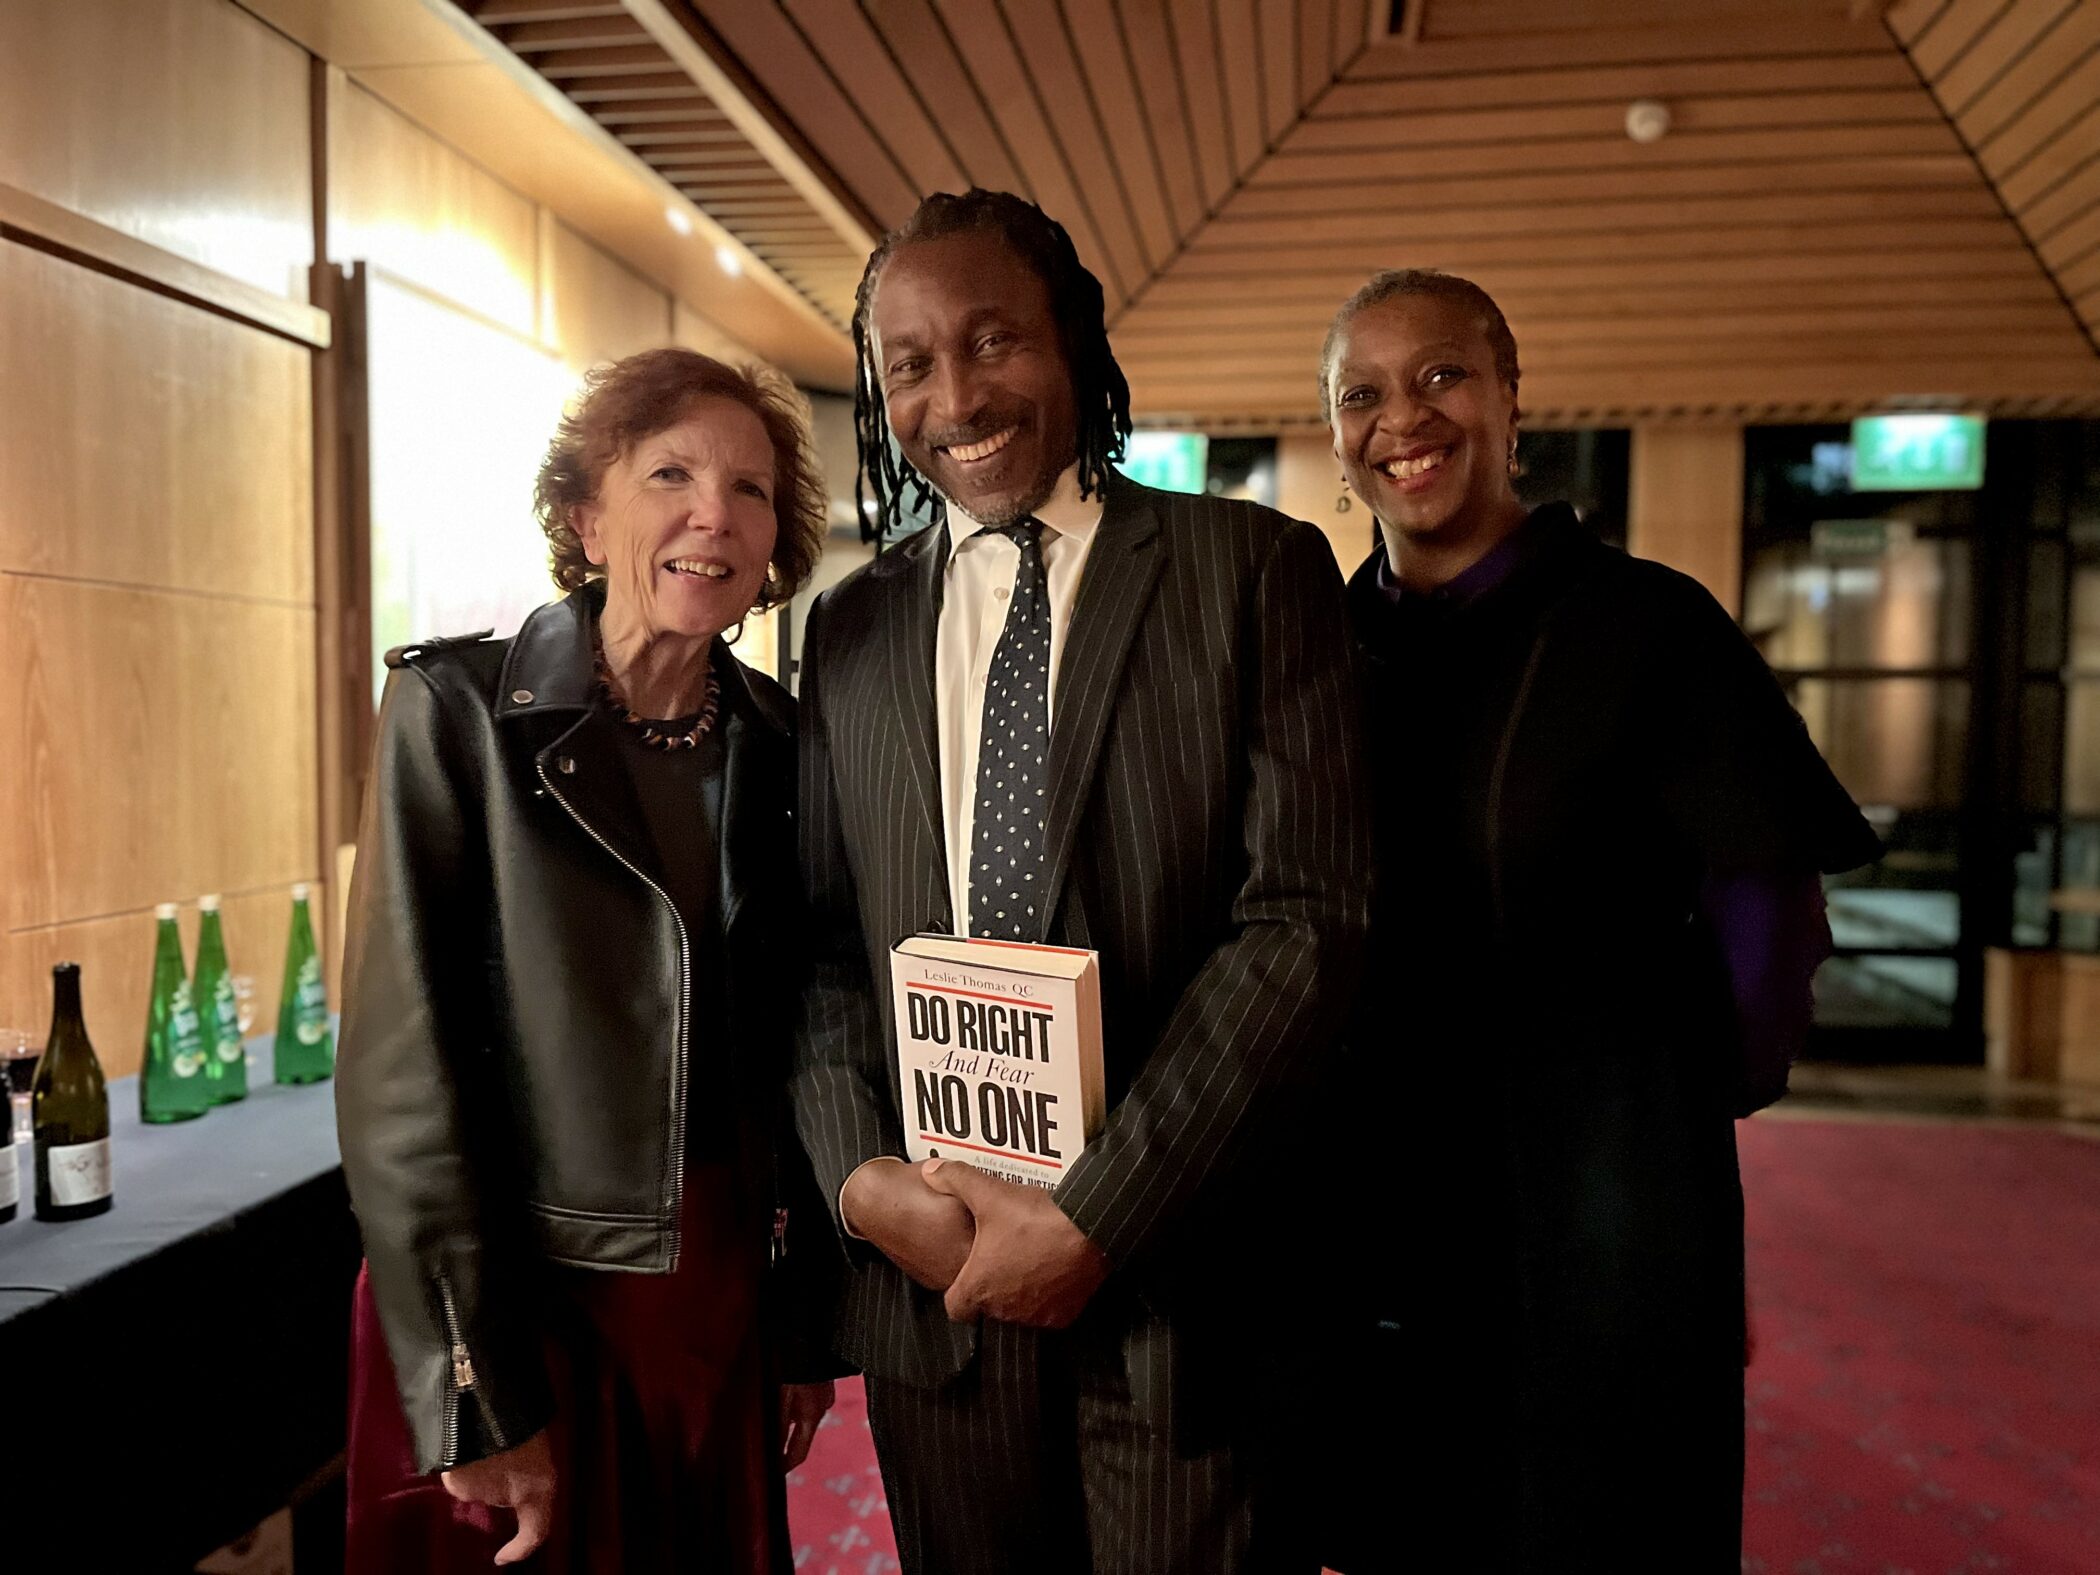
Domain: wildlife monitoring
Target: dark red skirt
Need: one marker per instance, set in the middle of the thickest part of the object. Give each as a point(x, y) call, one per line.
point(665, 1435)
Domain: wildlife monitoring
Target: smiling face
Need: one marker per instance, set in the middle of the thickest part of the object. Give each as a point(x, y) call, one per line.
point(1422, 426)
point(683, 524)
point(974, 375)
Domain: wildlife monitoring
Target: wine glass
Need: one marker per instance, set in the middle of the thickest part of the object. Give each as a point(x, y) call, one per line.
point(21, 1058)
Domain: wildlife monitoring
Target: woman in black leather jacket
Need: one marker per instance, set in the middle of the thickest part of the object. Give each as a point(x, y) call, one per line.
point(568, 992)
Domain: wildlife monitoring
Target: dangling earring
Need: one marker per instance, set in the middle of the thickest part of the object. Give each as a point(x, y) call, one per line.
point(1342, 504)
point(1515, 469)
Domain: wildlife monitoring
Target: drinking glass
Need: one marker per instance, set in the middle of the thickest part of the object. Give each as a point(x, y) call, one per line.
point(19, 1057)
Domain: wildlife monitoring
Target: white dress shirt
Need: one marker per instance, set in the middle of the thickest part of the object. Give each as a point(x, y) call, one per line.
point(978, 584)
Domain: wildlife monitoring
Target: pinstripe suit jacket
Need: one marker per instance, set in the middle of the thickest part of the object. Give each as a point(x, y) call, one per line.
point(1206, 834)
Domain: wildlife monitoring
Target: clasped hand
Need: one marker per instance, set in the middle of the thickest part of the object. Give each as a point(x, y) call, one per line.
point(994, 1249)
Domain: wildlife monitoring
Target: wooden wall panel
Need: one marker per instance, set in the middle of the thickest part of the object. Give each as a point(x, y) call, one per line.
point(153, 744)
point(115, 953)
point(1309, 484)
point(1685, 504)
point(182, 122)
point(163, 446)
point(695, 332)
point(599, 310)
point(403, 200)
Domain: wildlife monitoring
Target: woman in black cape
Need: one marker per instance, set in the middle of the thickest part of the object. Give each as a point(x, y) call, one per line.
point(1601, 828)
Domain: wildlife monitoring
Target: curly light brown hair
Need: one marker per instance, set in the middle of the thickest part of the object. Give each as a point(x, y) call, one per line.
point(626, 401)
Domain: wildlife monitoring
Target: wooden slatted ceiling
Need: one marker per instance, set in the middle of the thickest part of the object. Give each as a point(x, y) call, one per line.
point(1814, 237)
point(612, 68)
point(2020, 79)
point(1131, 120)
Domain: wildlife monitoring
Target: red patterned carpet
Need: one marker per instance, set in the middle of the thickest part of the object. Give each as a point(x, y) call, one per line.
point(836, 1512)
point(1926, 1394)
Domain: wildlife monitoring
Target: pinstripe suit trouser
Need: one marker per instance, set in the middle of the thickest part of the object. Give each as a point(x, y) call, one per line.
point(1033, 1462)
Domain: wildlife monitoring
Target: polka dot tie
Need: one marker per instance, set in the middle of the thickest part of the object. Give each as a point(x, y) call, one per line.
point(1013, 748)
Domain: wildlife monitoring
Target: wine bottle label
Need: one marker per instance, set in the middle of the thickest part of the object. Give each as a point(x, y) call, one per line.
point(10, 1177)
point(79, 1172)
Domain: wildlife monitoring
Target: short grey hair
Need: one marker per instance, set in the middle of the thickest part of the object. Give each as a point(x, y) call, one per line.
point(1396, 282)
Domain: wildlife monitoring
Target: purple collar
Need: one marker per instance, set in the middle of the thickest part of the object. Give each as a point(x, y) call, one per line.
point(1489, 574)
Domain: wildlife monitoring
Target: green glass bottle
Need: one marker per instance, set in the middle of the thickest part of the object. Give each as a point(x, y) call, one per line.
point(305, 1047)
point(70, 1108)
point(225, 1057)
point(171, 1075)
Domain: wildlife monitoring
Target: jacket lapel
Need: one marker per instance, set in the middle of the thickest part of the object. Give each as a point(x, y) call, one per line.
point(1121, 571)
point(907, 689)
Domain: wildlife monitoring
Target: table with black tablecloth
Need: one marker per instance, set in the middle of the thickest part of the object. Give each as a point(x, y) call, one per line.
point(174, 1370)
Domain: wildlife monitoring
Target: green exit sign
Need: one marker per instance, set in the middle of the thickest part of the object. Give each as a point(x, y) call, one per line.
point(1170, 461)
point(1917, 453)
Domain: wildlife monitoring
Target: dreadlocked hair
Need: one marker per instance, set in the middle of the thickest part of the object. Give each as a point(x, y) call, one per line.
point(886, 481)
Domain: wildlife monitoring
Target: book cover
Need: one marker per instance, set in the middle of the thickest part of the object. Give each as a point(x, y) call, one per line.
point(999, 1053)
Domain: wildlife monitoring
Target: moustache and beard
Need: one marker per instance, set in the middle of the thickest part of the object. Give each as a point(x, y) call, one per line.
point(1018, 499)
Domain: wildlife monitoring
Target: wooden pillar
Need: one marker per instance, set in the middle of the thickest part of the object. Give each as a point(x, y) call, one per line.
point(1308, 485)
point(1686, 505)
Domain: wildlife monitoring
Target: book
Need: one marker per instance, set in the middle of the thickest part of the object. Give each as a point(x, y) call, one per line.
point(998, 1053)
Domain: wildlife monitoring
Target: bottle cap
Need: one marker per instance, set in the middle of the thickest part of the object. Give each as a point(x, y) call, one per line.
point(165, 910)
point(208, 904)
point(301, 892)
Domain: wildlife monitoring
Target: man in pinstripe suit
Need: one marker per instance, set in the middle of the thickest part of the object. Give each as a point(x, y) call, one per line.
point(1080, 1379)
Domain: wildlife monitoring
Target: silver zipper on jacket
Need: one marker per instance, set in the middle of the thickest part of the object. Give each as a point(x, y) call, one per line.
point(462, 1382)
point(685, 995)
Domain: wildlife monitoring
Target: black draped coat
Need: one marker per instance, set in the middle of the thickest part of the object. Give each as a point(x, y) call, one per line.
point(1552, 1313)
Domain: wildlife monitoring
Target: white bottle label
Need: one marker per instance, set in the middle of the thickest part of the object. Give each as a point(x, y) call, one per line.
point(10, 1176)
point(79, 1172)
point(312, 998)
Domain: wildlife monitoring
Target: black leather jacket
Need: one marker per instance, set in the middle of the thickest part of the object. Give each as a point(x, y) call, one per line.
point(515, 1050)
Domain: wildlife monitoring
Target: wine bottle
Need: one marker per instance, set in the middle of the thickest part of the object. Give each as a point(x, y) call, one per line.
point(10, 1164)
point(171, 1076)
point(70, 1110)
point(225, 1057)
point(305, 1046)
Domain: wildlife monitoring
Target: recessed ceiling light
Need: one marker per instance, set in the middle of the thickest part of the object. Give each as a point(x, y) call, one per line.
point(678, 220)
point(727, 260)
point(1647, 119)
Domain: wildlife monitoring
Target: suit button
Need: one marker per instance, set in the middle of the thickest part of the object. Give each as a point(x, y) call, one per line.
point(566, 765)
point(522, 696)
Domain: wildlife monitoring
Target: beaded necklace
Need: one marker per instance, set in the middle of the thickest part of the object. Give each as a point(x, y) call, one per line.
point(652, 733)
